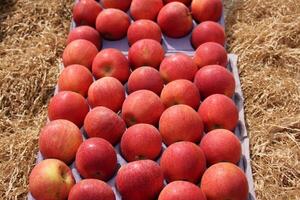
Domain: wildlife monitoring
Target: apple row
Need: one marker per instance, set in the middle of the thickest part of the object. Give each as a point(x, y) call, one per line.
point(152, 18)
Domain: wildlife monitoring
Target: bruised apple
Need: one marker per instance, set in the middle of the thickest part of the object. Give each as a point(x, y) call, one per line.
point(214, 79)
point(218, 111)
point(107, 92)
point(68, 105)
point(96, 158)
point(111, 62)
point(175, 20)
point(210, 53)
point(86, 33)
point(224, 181)
point(85, 12)
point(81, 74)
point(142, 106)
point(104, 123)
point(112, 24)
point(51, 179)
point(177, 66)
point(207, 10)
point(143, 29)
point(180, 123)
point(146, 78)
point(208, 31)
point(74, 54)
point(145, 9)
point(221, 145)
point(141, 179)
point(60, 139)
point(141, 141)
point(118, 4)
point(146, 52)
point(180, 91)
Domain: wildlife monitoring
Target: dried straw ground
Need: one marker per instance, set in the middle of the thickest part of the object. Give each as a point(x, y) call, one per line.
point(265, 35)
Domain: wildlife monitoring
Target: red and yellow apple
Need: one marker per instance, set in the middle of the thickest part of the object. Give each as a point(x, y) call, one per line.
point(86, 33)
point(85, 12)
point(207, 10)
point(145, 9)
point(118, 4)
point(186, 2)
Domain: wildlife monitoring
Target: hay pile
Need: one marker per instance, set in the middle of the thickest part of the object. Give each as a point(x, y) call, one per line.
point(265, 35)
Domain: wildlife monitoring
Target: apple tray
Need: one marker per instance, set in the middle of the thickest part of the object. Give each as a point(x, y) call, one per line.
point(173, 46)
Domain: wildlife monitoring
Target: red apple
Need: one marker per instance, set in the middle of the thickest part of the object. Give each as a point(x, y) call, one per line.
point(85, 12)
point(107, 92)
point(111, 62)
point(74, 54)
point(86, 33)
point(207, 10)
point(214, 79)
point(221, 145)
point(96, 158)
point(76, 78)
point(210, 53)
point(186, 2)
point(51, 179)
point(145, 9)
point(180, 123)
point(141, 141)
point(208, 31)
point(178, 66)
point(60, 139)
point(142, 106)
point(224, 181)
point(183, 161)
point(181, 190)
point(141, 179)
point(143, 29)
point(175, 20)
point(118, 4)
point(218, 111)
point(180, 91)
point(112, 24)
point(68, 105)
point(104, 123)
point(146, 78)
point(146, 52)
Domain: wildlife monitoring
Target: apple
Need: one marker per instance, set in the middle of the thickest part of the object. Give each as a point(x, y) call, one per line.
point(180, 123)
point(214, 79)
point(118, 4)
point(175, 20)
point(146, 52)
point(141, 179)
point(208, 31)
point(221, 145)
point(145, 9)
point(68, 105)
point(104, 123)
point(210, 53)
point(81, 74)
point(85, 33)
point(218, 111)
point(112, 24)
point(141, 141)
point(186, 2)
point(177, 66)
point(51, 179)
point(91, 189)
point(224, 181)
point(111, 62)
point(143, 29)
point(183, 161)
point(142, 106)
point(96, 158)
point(180, 91)
point(207, 10)
point(181, 190)
point(107, 92)
point(73, 53)
point(85, 12)
point(60, 139)
point(146, 78)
